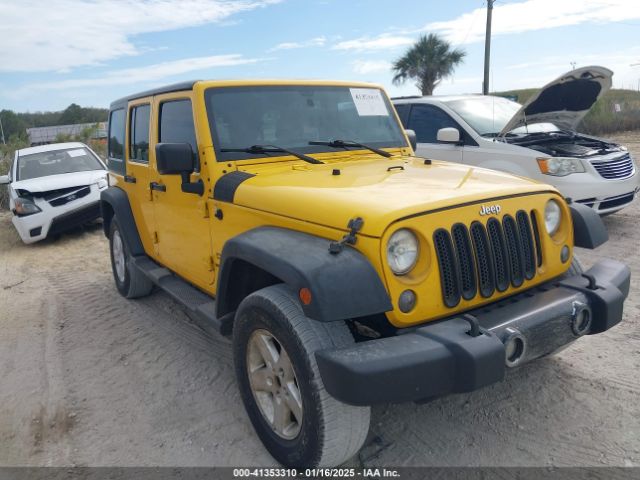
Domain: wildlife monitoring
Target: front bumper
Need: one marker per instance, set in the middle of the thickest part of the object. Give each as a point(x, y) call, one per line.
point(444, 357)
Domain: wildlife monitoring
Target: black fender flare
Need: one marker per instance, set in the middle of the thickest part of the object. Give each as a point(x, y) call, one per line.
point(116, 199)
point(588, 228)
point(343, 285)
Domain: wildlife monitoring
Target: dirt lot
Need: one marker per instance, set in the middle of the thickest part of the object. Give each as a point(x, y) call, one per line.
point(89, 378)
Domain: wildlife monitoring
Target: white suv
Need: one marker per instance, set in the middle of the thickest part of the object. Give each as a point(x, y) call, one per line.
point(53, 188)
point(535, 140)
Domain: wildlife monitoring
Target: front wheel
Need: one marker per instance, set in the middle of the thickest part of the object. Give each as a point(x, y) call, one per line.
point(274, 347)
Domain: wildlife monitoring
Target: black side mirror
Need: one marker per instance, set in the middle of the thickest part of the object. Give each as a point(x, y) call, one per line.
point(174, 158)
point(413, 141)
point(178, 159)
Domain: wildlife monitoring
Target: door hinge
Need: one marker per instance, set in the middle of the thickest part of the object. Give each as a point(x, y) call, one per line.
point(155, 237)
point(211, 264)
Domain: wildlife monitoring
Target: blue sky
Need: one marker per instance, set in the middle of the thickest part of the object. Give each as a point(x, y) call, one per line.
point(56, 52)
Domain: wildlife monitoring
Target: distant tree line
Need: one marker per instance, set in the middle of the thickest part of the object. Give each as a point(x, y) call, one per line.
point(15, 124)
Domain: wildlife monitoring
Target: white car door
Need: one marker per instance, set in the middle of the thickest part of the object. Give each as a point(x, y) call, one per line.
point(426, 120)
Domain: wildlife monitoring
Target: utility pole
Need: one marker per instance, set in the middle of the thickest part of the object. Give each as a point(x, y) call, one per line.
point(487, 48)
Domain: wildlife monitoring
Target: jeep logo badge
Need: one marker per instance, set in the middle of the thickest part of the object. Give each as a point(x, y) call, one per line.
point(490, 209)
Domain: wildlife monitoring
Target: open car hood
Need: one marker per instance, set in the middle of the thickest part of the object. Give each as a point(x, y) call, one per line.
point(565, 101)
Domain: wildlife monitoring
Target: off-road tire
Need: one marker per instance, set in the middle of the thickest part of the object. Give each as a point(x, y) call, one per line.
point(134, 284)
point(331, 432)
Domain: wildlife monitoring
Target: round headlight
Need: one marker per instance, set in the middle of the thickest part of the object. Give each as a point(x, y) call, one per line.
point(402, 251)
point(552, 216)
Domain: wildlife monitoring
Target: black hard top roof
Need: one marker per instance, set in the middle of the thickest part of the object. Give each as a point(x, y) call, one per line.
point(175, 87)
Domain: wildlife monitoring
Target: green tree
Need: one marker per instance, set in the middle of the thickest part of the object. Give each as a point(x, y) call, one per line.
point(72, 114)
point(427, 62)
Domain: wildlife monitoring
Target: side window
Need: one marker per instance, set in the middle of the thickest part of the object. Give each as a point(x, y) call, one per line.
point(426, 120)
point(115, 155)
point(139, 134)
point(403, 112)
point(176, 125)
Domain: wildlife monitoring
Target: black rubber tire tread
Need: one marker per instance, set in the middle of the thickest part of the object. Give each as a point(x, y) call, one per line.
point(135, 284)
point(342, 429)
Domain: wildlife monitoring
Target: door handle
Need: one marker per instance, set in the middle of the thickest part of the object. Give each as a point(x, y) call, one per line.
point(158, 186)
point(129, 179)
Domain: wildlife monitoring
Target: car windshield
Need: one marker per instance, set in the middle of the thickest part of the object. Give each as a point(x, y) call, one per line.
point(56, 162)
point(292, 116)
point(489, 115)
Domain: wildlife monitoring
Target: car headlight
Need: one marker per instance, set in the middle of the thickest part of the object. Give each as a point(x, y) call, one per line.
point(24, 207)
point(402, 251)
point(552, 216)
point(560, 166)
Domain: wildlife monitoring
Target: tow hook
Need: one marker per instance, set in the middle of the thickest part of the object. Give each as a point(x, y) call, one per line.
point(580, 318)
point(515, 346)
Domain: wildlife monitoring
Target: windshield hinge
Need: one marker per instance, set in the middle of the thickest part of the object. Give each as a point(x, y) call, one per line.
point(354, 226)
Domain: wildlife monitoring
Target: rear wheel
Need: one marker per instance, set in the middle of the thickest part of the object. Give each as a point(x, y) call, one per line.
point(130, 282)
point(274, 346)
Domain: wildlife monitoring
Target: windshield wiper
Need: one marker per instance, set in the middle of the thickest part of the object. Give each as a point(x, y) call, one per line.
point(260, 149)
point(349, 143)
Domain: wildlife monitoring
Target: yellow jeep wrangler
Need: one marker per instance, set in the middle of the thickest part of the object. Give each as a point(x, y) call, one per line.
point(294, 216)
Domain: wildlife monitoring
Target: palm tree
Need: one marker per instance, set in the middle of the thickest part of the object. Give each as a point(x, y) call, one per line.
point(428, 61)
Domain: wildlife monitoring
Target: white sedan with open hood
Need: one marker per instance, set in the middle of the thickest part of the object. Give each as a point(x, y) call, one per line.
point(536, 140)
point(53, 188)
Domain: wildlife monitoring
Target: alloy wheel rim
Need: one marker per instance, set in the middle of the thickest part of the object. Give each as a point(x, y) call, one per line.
point(274, 384)
point(118, 256)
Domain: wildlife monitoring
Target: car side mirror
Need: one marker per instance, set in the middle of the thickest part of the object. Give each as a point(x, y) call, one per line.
point(178, 159)
point(448, 135)
point(413, 141)
point(5, 180)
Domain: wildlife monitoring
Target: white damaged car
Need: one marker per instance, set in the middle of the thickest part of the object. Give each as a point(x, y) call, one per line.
point(536, 140)
point(53, 188)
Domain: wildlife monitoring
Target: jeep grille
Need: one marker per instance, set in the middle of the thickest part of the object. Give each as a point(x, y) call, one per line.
point(485, 258)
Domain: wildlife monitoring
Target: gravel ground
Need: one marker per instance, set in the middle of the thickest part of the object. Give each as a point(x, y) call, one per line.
point(89, 378)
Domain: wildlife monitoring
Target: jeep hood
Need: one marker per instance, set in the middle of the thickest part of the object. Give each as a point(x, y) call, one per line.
point(565, 101)
point(57, 182)
point(380, 191)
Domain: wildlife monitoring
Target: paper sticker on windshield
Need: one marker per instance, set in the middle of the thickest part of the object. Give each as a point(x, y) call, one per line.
point(368, 102)
point(76, 153)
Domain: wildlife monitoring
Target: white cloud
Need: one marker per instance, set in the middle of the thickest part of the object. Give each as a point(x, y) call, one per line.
point(64, 34)
point(381, 42)
point(364, 67)
point(533, 15)
point(314, 42)
point(144, 74)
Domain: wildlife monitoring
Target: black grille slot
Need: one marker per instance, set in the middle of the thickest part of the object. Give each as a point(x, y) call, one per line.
point(500, 256)
point(486, 275)
point(526, 244)
point(464, 255)
point(448, 270)
point(536, 236)
point(83, 192)
point(515, 250)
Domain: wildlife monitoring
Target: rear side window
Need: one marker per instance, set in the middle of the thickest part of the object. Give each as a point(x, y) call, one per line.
point(176, 125)
point(139, 134)
point(115, 155)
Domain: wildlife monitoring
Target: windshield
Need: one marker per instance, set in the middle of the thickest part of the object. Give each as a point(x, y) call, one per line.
point(56, 162)
point(292, 116)
point(489, 115)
